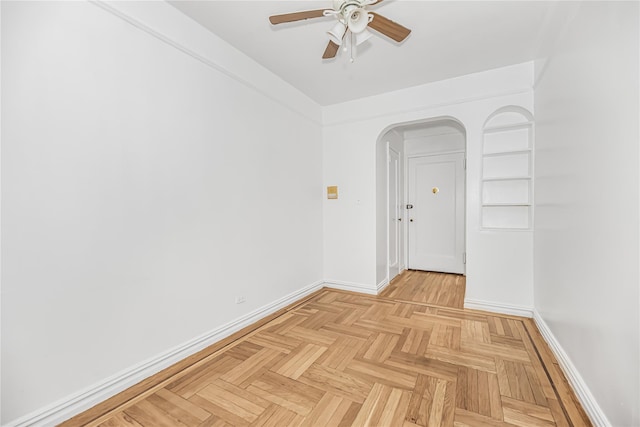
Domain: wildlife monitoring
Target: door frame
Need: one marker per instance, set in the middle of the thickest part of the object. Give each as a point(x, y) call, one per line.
point(399, 196)
point(464, 196)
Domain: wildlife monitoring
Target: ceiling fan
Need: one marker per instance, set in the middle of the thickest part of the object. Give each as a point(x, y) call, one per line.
point(352, 16)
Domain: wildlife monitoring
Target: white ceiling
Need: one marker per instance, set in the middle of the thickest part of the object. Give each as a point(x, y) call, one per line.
point(448, 39)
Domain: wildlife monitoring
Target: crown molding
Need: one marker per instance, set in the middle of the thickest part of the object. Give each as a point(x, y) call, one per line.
point(129, 11)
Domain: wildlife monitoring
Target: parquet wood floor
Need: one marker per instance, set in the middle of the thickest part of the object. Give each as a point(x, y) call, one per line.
point(345, 359)
point(441, 289)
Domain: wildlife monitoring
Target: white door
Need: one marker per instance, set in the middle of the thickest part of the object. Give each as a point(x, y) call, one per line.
point(394, 213)
point(436, 221)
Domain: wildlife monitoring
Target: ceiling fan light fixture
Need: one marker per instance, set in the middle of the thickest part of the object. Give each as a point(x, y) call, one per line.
point(363, 36)
point(336, 34)
point(358, 19)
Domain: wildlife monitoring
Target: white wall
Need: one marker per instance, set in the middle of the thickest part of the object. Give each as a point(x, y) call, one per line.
point(145, 184)
point(586, 202)
point(499, 264)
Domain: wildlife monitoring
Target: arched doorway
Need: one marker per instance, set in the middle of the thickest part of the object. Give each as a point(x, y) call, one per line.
point(421, 185)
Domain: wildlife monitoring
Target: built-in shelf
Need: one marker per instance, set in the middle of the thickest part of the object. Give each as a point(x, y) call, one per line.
point(507, 168)
point(506, 204)
point(503, 229)
point(508, 127)
point(508, 178)
point(506, 153)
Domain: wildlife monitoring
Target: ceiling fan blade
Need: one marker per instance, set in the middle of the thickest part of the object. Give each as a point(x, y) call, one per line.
point(389, 28)
point(330, 51)
point(296, 16)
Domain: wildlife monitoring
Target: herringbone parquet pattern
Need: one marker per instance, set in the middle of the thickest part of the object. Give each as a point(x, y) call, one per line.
point(343, 359)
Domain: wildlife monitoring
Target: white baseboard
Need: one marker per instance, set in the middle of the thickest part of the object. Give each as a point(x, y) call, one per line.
point(70, 406)
point(589, 403)
point(380, 286)
point(350, 286)
point(495, 307)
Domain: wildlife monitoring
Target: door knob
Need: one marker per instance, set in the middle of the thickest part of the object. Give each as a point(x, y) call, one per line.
point(411, 220)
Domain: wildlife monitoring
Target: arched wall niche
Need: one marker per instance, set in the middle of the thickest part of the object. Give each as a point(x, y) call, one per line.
point(507, 170)
point(508, 115)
